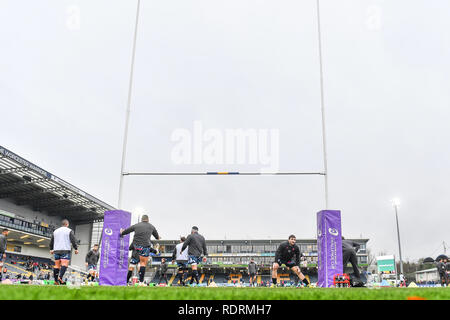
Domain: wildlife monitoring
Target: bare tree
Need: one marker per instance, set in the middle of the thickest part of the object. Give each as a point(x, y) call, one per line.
point(371, 259)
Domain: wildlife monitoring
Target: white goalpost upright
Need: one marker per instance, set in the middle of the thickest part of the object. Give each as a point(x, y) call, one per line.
point(127, 118)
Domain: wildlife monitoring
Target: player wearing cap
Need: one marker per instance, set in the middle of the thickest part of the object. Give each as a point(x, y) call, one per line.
point(141, 245)
point(196, 245)
point(60, 246)
point(288, 253)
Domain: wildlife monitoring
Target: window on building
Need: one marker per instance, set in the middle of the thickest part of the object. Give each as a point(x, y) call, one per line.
point(362, 259)
point(268, 260)
point(212, 249)
point(170, 248)
point(235, 249)
point(221, 249)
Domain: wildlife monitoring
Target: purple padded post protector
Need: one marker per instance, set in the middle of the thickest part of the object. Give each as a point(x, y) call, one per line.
point(329, 246)
point(114, 253)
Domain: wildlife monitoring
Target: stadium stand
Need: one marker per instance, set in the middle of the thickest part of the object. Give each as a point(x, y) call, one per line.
point(33, 202)
point(20, 266)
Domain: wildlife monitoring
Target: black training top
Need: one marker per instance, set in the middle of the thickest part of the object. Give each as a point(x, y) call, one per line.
point(142, 233)
point(441, 267)
point(286, 252)
point(196, 244)
point(2, 243)
point(252, 267)
point(92, 257)
point(350, 245)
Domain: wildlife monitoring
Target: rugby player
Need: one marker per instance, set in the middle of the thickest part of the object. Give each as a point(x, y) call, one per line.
point(142, 246)
point(441, 267)
point(91, 262)
point(349, 250)
point(3, 242)
point(181, 258)
point(60, 246)
point(134, 257)
point(163, 271)
point(447, 270)
point(285, 254)
point(252, 272)
point(196, 245)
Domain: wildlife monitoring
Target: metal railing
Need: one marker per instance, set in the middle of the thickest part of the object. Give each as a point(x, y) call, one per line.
point(17, 227)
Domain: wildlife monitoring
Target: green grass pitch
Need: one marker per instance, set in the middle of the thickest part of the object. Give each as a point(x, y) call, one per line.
point(26, 292)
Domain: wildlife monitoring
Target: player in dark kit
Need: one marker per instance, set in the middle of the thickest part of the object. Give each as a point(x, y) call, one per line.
point(288, 253)
point(196, 245)
point(441, 267)
point(252, 268)
point(349, 250)
point(141, 245)
point(134, 257)
point(91, 262)
point(3, 240)
point(163, 272)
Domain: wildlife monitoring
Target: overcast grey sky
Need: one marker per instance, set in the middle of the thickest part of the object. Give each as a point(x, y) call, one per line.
point(247, 64)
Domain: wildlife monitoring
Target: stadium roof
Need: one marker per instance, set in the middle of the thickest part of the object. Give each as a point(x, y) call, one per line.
point(29, 185)
point(427, 270)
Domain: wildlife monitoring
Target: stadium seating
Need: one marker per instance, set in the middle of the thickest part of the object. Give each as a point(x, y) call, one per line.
point(21, 265)
point(231, 279)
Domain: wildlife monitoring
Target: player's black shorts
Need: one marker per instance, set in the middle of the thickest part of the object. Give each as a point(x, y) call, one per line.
point(194, 260)
point(289, 264)
point(65, 255)
point(252, 275)
point(182, 264)
point(134, 257)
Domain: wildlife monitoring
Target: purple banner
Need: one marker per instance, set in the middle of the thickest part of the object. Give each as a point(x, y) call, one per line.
point(114, 255)
point(329, 246)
